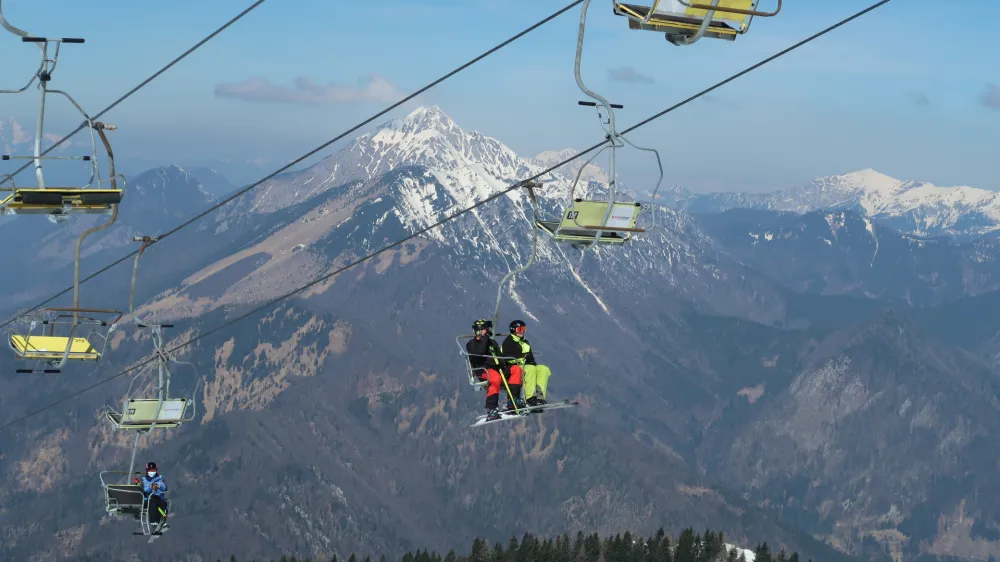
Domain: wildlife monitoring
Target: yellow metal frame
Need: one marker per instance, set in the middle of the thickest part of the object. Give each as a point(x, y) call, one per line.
point(688, 23)
point(51, 348)
point(55, 200)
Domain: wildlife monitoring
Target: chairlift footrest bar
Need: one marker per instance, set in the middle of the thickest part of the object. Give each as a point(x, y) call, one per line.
point(46, 40)
point(594, 104)
point(85, 157)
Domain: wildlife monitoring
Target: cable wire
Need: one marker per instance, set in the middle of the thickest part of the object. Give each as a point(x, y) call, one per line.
point(308, 154)
point(449, 218)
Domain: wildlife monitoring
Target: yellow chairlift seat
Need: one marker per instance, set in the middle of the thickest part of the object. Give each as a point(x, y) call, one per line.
point(585, 219)
point(28, 345)
point(142, 413)
point(52, 348)
point(60, 201)
point(681, 20)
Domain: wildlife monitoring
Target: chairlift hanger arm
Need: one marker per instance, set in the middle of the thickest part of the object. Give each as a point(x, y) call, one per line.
point(728, 10)
point(530, 187)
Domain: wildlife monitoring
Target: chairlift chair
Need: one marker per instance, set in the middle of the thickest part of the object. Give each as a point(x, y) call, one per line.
point(474, 380)
point(127, 499)
point(58, 202)
point(55, 350)
point(161, 412)
point(684, 22)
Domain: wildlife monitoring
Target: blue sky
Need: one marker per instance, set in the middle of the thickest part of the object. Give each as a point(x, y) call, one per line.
point(904, 90)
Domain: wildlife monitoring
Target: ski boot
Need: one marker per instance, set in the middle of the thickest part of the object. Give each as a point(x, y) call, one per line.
point(521, 406)
point(492, 414)
point(536, 401)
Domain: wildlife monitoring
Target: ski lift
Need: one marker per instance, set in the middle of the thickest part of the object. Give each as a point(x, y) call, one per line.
point(55, 350)
point(146, 414)
point(684, 23)
point(471, 372)
point(126, 499)
point(590, 222)
point(58, 202)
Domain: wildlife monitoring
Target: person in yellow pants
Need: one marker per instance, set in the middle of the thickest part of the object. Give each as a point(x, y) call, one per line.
point(534, 377)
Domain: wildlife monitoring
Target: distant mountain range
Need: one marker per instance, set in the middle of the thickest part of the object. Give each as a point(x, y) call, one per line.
point(817, 379)
point(914, 207)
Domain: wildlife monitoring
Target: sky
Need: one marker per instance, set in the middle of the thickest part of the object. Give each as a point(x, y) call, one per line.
point(909, 89)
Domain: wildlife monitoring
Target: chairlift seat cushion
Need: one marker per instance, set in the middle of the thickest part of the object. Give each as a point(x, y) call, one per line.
point(54, 200)
point(591, 213)
point(687, 21)
point(141, 413)
point(124, 497)
point(52, 348)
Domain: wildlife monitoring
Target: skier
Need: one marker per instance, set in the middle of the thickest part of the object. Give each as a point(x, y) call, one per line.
point(154, 485)
point(536, 377)
point(483, 353)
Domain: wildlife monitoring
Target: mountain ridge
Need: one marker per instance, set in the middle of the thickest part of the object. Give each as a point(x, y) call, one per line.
point(914, 207)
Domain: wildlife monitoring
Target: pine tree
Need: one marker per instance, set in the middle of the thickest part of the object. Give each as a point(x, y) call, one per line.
point(578, 547)
point(686, 549)
point(763, 553)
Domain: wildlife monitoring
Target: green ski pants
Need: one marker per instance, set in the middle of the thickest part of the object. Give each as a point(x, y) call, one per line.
point(536, 375)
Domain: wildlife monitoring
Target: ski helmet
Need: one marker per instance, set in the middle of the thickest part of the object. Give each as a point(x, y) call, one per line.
point(517, 327)
point(483, 324)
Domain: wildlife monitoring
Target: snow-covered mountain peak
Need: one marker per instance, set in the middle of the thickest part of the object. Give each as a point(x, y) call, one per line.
point(16, 138)
point(869, 187)
point(916, 207)
point(469, 165)
point(592, 172)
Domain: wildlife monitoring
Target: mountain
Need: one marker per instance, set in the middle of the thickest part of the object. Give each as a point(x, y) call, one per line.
point(154, 202)
point(212, 181)
point(914, 207)
point(337, 420)
point(591, 172)
point(844, 253)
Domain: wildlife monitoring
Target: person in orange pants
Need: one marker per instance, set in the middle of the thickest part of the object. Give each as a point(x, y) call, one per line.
point(483, 354)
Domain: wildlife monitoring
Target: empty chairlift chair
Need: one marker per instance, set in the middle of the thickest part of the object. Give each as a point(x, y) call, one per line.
point(685, 21)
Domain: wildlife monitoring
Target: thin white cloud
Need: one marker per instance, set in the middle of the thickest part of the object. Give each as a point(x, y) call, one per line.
point(629, 75)
point(307, 91)
point(991, 97)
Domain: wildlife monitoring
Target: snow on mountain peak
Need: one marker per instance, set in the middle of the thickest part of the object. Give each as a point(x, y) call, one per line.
point(592, 172)
point(469, 165)
point(916, 207)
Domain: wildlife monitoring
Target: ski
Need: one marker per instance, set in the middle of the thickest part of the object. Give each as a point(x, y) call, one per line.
point(543, 407)
point(511, 414)
point(155, 534)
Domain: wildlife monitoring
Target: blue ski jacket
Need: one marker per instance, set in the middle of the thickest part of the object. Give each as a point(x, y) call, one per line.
point(147, 483)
